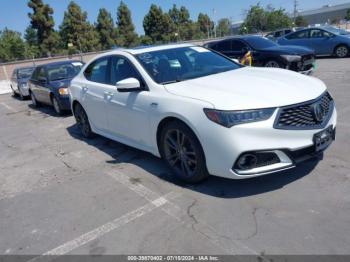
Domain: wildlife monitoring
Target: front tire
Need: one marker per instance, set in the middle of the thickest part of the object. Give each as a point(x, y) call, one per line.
point(56, 106)
point(83, 121)
point(35, 102)
point(341, 51)
point(273, 64)
point(183, 153)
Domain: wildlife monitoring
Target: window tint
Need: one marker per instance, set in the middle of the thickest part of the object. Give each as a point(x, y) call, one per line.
point(238, 46)
point(97, 71)
point(180, 64)
point(316, 33)
point(41, 74)
point(35, 74)
point(122, 69)
point(25, 72)
point(63, 71)
point(278, 33)
point(299, 35)
point(224, 45)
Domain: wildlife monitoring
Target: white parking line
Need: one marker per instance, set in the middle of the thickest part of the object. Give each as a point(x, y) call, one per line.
point(7, 106)
point(104, 229)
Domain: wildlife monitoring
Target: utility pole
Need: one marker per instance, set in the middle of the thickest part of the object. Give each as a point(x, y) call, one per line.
point(295, 12)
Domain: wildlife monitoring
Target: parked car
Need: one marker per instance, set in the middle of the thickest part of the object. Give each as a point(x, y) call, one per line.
point(49, 84)
point(276, 34)
point(324, 40)
point(19, 81)
point(266, 53)
point(202, 112)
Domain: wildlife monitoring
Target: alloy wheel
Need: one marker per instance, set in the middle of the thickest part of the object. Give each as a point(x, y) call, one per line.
point(273, 64)
point(33, 99)
point(180, 152)
point(83, 122)
point(56, 106)
point(342, 51)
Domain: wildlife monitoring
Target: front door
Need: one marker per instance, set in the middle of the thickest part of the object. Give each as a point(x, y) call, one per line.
point(127, 112)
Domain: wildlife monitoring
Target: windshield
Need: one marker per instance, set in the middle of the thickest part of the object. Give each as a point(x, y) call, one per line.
point(25, 72)
point(63, 71)
point(260, 42)
point(337, 31)
point(179, 64)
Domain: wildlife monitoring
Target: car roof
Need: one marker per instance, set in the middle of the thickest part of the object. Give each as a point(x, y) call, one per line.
point(24, 67)
point(146, 49)
point(61, 63)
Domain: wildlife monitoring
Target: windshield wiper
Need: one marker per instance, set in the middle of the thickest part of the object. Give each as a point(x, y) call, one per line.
point(172, 81)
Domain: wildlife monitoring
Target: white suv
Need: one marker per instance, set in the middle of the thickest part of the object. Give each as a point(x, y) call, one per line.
point(203, 113)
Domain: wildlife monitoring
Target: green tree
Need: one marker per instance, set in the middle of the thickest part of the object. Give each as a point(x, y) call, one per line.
point(347, 17)
point(31, 40)
point(158, 25)
point(12, 46)
point(125, 27)
point(205, 25)
point(259, 19)
point(42, 21)
point(223, 27)
point(182, 23)
point(76, 30)
point(300, 21)
point(105, 29)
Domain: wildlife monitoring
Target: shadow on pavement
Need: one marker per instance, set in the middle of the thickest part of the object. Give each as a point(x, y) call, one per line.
point(214, 186)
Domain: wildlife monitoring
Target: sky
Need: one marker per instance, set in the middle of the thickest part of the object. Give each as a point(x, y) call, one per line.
point(13, 13)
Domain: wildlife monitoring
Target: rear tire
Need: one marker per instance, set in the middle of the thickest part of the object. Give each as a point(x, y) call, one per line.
point(83, 121)
point(341, 51)
point(183, 153)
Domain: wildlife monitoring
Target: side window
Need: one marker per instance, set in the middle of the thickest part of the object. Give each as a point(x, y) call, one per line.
point(224, 45)
point(41, 74)
point(97, 71)
point(299, 35)
point(122, 69)
point(278, 34)
point(238, 46)
point(35, 74)
point(316, 33)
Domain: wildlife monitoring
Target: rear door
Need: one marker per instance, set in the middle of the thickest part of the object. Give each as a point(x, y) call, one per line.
point(94, 92)
point(321, 41)
point(299, 38)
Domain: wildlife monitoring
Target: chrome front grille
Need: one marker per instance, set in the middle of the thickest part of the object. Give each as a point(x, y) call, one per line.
point(306, 115)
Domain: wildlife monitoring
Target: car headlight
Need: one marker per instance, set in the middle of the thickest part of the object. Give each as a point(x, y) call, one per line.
point(292, 58)
point(63, 91)
point(232, 118)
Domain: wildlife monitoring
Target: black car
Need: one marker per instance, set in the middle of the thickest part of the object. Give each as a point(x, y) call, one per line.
point(19, 81)
point(266, 53)
point(49, 84)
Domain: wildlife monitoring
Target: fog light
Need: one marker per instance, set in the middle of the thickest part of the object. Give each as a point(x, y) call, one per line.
point(247, 161)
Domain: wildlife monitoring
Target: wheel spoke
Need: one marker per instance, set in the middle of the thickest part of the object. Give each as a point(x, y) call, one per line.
point(170, 142)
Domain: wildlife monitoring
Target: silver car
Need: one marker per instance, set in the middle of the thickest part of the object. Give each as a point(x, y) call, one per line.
point(19, 81)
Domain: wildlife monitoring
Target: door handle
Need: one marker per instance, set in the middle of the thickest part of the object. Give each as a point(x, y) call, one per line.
point(108, 95)
point(85, 88)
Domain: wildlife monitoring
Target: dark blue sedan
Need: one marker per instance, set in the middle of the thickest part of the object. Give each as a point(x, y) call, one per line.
point(49, 84)
point(324, 40)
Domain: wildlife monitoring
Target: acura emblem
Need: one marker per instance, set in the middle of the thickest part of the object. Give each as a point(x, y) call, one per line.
point(318, 112)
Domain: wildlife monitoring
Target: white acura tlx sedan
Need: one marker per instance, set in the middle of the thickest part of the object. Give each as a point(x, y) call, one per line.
point(202, 112)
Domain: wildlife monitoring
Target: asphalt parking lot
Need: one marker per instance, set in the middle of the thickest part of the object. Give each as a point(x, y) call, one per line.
point(61, 194)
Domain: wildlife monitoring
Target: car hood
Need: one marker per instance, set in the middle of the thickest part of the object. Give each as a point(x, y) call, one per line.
point(250, 88)
point(289, 50)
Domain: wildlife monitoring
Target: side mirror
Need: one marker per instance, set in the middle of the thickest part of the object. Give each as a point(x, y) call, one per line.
point(129, 85)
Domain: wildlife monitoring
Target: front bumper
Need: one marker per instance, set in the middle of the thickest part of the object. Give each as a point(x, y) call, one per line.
point(64, 102)
point(223, 146)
